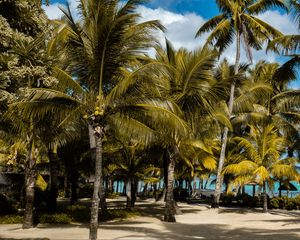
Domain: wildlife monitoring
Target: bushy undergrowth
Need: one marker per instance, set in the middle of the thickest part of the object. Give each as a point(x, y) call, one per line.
point(118, 214)
point(285, 203)
point(7, 206)
point(241, 200)
point(11, 219)
point(112, 195)
point(56, 218)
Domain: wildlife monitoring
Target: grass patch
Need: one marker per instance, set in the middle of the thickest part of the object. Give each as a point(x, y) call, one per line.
point(11, 219)
point(118, 214)
point(69, 214)
point(56, 218)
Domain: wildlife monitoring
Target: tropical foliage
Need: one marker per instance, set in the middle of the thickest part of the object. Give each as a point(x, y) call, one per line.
point(82, 100)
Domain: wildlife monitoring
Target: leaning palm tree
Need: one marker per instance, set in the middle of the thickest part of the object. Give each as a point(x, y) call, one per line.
point(259, 159)
point(237, 21)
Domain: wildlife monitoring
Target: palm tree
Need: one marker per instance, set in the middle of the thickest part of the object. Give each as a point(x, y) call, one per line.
point(277, 105)
point(237, 20)
point(187, 80)
point(106, 38)
point(259, 159)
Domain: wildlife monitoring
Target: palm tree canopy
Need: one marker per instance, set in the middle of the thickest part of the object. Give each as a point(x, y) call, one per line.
point(107, 36)
point(240, 17)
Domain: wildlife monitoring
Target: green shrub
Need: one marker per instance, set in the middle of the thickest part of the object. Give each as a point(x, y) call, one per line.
point(248, 201)
point(118, 214)
point(278, 202)
point(86, 191)
point(112, 195)
point(11, 219)
point(56, 218)
point(6, 205)
point(291, 204)
point(227, 199)
point(297, 202)
point(79, 213)
point(285, 203)
point(274, 203)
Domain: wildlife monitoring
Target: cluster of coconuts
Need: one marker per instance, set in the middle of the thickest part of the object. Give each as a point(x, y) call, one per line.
point(97, 112)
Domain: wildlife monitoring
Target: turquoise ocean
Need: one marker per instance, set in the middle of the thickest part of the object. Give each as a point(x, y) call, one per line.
point(210, 185)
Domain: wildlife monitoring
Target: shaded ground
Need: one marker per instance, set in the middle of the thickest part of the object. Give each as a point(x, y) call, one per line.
point(196, 222)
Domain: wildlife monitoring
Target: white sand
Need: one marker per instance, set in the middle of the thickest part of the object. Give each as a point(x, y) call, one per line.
point(197, 222)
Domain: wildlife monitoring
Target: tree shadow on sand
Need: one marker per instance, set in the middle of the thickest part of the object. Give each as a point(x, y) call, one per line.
point(179, 231)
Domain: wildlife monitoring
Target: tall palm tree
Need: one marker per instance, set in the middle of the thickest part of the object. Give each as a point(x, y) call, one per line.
point(107, 37)
point(237, 21)
point(187, 80)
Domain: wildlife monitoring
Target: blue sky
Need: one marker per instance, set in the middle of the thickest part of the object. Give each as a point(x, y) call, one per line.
point(205, 8)
point(182, 18)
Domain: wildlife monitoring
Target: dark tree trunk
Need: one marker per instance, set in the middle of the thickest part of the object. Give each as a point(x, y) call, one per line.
point(66, 187)
point(93, 230)
point(265, 200)
point(195, 184)
point(128, 193)
point(145, 190)
point(74, 181)
point(134, 185)
point(170, 209)
point(155, 190)
point(253, 191)
point(54, 171)
point(29, 183)
point(180, 185)
point(111, 184)
point(117, 187)
point(206, 183)
point(124, 189)
point(280, 193)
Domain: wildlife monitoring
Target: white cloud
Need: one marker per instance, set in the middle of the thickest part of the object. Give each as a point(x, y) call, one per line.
point(53, 11)
point(181, 28)
point(281, 22)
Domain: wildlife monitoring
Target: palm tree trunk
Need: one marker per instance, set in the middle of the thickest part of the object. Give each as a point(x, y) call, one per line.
point(97, 183)
point(134, 185)
point(29, 184)
point(93, 149)
point(265, 201)
point(170, 209)
point(280, 188)
point(253, 190)
point(66, 186)
point(74, 183)
point(195, 184)
point(117, 186)
point(128, 192)
point(111, 184)
point(219, 180)
point(54, 169)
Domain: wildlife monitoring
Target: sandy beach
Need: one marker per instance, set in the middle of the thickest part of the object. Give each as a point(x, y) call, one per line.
point(196, 222)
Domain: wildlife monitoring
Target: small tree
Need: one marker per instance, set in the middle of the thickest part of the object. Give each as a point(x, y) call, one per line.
point(259, 158)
